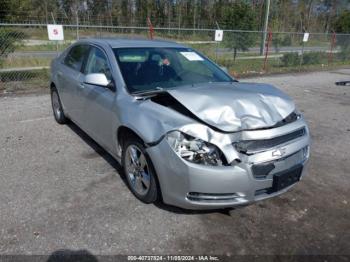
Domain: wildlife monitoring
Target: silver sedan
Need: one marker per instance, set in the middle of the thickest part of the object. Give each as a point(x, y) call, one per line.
point(185, 132)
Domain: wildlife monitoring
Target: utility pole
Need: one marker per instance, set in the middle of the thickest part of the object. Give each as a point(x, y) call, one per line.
point(266, 23)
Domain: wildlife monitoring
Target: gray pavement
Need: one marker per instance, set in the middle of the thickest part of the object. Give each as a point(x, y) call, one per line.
point(60, 190)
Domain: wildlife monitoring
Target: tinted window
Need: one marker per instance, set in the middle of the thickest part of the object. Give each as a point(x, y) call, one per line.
point(97, 63)
point(75, 57)
point(146, 69)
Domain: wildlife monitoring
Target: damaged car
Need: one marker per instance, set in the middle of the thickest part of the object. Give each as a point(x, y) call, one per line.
point(184, 131)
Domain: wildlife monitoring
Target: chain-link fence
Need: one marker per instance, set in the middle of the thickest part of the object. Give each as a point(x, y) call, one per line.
point(26, 52)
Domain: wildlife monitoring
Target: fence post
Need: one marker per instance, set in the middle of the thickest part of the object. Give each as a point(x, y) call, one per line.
point(330, 54)
point(267, 45)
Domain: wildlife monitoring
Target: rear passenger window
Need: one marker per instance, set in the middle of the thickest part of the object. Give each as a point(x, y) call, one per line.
point(75, 57)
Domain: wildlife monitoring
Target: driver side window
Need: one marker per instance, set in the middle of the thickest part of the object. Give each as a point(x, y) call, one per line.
point(97, 63)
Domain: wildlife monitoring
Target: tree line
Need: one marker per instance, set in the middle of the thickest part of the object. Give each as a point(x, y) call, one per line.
point(285, 15)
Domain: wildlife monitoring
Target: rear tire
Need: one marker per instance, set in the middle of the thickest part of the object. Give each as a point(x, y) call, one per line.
point(139, 171)
point(57, 107)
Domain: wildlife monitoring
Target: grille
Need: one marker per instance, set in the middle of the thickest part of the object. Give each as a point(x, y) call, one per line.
point(249, 146)
point(263, 170)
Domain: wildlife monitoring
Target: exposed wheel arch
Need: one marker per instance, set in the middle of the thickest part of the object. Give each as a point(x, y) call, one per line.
point(124, 133)
point(52, 85)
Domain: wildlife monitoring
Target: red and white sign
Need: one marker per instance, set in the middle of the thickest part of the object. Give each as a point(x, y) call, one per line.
point(55, 32)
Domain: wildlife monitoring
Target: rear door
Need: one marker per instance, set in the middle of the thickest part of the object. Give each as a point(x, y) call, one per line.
point(98, 101)
point(69, 77)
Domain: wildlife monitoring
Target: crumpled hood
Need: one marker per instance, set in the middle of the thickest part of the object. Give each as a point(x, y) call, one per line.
point(237, 106)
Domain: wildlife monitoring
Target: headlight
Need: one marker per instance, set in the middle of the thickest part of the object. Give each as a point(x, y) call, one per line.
point(194, 149)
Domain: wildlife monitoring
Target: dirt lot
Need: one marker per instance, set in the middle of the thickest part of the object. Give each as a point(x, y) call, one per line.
point(59, 190)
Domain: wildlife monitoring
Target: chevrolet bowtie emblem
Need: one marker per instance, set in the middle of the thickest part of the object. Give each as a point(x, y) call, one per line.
point(279, 152)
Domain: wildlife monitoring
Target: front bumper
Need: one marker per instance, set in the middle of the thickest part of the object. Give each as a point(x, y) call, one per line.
point(194, 186)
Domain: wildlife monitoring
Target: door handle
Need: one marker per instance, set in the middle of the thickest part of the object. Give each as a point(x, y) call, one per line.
point(59, 73)
point(81, 85)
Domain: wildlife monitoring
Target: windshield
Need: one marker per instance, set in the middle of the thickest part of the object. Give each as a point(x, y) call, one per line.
point(147, 69)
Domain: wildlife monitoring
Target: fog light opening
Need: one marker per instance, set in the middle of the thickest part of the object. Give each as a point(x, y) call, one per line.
point(195, 196)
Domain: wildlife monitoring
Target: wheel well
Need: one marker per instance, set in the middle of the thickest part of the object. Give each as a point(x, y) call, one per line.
point(125, 133)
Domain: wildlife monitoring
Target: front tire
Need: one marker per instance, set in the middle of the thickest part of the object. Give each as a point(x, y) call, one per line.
point(139, 171)
point(57, 107)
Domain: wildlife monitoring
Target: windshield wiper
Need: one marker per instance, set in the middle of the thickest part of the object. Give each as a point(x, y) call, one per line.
point(158, 90)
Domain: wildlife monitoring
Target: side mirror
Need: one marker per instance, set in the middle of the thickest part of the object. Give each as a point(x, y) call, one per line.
point(97, 80)
point(223, 68)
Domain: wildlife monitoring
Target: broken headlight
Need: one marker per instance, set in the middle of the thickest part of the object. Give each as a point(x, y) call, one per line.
point(194, 149)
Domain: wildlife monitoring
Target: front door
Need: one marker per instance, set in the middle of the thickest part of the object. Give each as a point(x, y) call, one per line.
point(98, 101)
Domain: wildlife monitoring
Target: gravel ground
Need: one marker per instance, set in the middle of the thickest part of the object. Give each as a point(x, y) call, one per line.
point(59, 190)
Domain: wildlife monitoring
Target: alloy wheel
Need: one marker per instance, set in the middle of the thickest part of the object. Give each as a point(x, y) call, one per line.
point(56, 105)
point(137, 170)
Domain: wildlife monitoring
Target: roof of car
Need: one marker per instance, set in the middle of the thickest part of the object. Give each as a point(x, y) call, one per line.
point(120, 42)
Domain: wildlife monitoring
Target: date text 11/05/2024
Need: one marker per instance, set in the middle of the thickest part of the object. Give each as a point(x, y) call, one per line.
point(173, 258)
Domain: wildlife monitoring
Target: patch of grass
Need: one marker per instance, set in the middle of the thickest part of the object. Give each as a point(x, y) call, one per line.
point(14, 62)
point(290, 59)
point(309, 58)
point(43, 47)
point(246, 66)
point(24, 80)
point(249, 67)
point(313, 58)
point(275, 67)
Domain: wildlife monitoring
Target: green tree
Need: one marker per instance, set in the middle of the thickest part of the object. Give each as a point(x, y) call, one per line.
point(342, 25)
point(126, 13)
point(141, 12)
point(5, 5)
point(239, 16)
